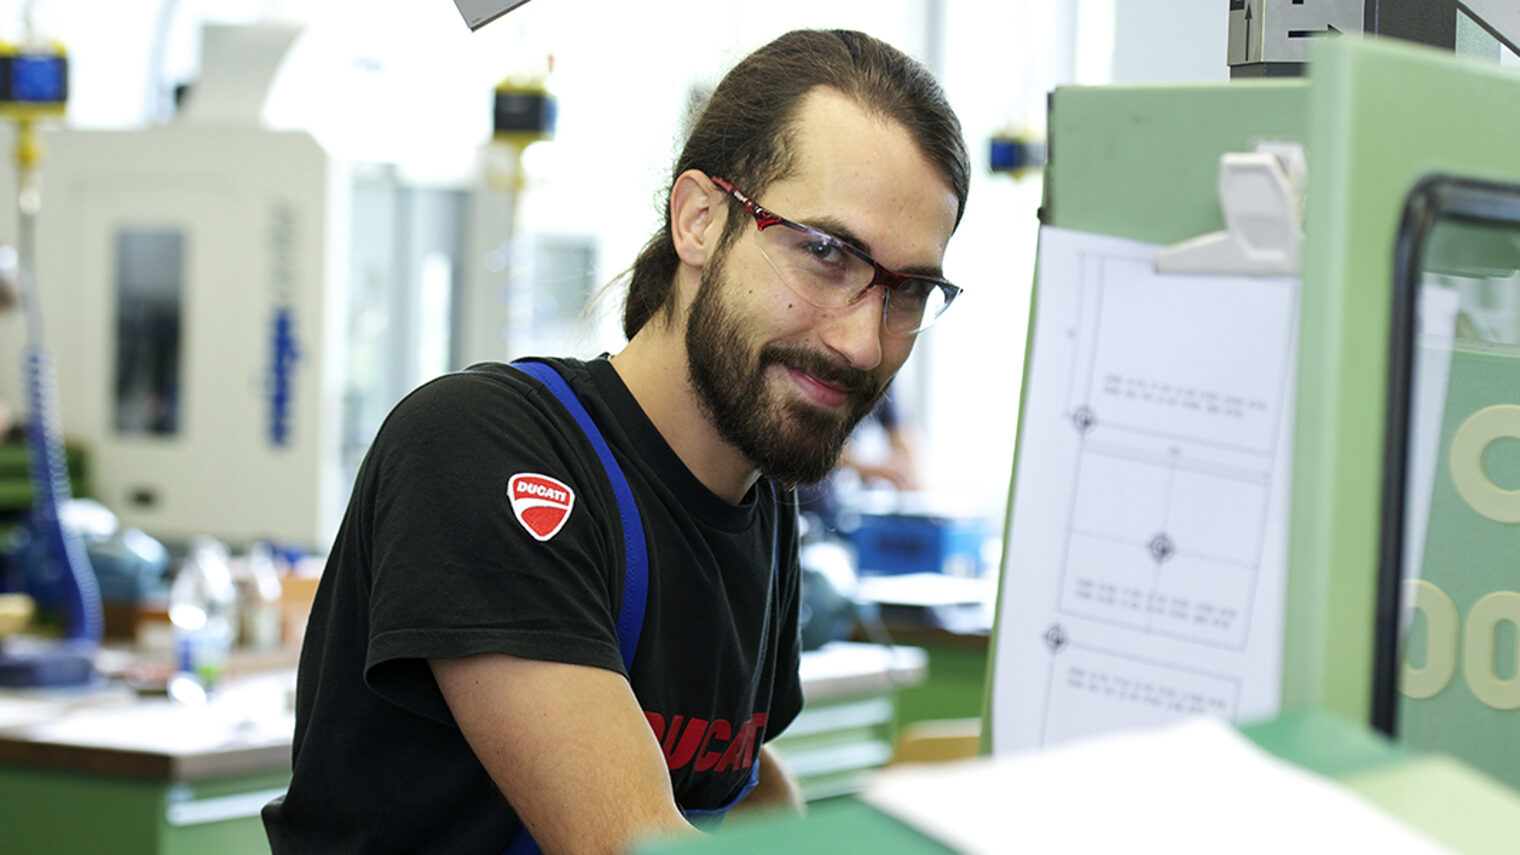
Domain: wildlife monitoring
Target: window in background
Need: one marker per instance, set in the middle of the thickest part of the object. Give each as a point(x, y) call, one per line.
point(150, 286)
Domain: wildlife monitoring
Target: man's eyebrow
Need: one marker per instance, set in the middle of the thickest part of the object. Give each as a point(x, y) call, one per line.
point(837, 229)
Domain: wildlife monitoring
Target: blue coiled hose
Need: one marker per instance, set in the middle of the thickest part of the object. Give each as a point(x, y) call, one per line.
point(64, 556)
point(63, 549)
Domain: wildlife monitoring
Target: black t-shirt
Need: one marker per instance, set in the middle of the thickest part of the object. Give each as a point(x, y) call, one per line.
point(431, 561)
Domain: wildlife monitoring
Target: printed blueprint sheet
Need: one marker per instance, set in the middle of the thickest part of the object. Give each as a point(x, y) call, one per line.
point(1146, 546)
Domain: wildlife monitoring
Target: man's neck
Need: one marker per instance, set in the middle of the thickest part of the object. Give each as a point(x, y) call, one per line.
point(654, 368)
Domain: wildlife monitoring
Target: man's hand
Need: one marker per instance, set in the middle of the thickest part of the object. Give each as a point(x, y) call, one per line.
point(569, 748)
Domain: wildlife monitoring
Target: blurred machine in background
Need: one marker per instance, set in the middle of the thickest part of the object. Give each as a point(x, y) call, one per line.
point(234, 309)
point(198, 319)
point(525, 291)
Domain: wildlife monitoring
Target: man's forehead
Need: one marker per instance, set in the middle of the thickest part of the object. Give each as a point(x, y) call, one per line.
point(837, 144)
point(867, 183)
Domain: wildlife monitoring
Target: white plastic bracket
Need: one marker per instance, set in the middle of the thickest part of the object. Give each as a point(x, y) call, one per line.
point(1261, 194)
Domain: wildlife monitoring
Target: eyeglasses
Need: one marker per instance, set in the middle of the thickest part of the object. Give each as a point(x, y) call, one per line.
point(831, 274)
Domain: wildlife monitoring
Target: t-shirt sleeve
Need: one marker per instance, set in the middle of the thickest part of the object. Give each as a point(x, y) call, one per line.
point(455, 570)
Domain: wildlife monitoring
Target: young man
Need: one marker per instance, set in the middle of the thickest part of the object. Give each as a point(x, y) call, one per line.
point(463, 684)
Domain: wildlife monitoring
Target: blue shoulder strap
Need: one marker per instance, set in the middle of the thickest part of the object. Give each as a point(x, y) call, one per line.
point(636, 558)
point(635, 571)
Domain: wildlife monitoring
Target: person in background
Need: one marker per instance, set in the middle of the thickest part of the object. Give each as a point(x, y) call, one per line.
point(466, 683)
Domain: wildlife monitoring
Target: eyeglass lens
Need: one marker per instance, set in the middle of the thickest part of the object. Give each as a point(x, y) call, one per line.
point(823, 272)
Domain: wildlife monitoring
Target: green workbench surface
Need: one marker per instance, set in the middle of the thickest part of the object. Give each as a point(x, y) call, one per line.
point(1325, 743)
point(838, 825)
point(1451, 802)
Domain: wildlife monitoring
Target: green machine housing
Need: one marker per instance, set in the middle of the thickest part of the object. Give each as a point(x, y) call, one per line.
point(1376, 119)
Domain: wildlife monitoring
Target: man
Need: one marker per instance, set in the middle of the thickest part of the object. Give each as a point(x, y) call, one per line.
point(462, 678)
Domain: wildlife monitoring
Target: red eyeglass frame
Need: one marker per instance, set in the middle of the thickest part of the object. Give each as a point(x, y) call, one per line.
point(889, 280)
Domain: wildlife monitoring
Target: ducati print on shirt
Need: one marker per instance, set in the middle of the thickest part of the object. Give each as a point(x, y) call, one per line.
point(542, 504)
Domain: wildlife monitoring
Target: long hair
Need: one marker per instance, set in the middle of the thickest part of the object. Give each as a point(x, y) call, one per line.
point(746, 133)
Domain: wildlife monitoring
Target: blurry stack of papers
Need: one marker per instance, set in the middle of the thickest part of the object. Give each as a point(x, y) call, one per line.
point(1196, 786)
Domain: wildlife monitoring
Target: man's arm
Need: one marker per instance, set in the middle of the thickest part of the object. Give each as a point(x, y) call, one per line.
point(777, 787)
point(569, 748)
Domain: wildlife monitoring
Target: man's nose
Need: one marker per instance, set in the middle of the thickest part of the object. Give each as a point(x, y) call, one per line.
point(855, 330)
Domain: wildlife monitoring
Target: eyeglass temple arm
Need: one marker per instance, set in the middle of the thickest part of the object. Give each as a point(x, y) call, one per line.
point(763, 219)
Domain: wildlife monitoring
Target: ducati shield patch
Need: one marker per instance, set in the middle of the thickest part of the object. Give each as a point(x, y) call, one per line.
point(542, 504)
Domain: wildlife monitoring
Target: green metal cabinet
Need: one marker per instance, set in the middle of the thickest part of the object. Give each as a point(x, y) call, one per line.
point(47, 812)
point(1375, 118)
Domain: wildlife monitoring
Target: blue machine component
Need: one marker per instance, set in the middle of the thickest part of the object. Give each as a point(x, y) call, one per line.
point(524, 113)
point(1016, 155)
point(284, 353)
point(894, 544)
point(36, 78)
point(130, 566)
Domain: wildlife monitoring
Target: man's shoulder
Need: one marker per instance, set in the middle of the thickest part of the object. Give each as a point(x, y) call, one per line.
point(477, 403)
point(465, 434)
point(511, 375)
point(488, 385)
point(567, 366)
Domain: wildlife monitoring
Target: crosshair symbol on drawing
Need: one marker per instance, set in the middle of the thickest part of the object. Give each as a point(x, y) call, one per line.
point(1055, 638)
point(1084, 418)
point(1162, 547)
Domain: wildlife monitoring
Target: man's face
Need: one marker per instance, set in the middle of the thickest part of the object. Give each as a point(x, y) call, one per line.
point(793, 441)
point(785, 382)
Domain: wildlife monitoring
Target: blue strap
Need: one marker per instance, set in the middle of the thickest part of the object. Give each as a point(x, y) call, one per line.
point(523, 844)
point(708, 820)
point(630, 620)
point(635, 575)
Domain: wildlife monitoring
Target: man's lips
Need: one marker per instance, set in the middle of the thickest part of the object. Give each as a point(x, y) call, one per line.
point(818, 391)
point(824, 382)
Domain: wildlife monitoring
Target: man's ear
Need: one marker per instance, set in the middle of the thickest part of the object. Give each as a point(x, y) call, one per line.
point(697, 212)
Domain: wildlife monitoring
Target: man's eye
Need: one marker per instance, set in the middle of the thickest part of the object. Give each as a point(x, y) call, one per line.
point(826, 252)
point(913, 289)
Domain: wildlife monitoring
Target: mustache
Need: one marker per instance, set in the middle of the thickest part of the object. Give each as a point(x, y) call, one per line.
point(830, 371)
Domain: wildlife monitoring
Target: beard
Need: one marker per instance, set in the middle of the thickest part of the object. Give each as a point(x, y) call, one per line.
point(790, 440)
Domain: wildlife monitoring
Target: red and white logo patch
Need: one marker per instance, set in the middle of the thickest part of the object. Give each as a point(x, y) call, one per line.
point(540, 503)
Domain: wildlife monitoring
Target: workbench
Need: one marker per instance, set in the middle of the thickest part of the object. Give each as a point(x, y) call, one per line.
point(103, 770)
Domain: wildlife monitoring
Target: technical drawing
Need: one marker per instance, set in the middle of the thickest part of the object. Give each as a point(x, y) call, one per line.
point(1174, 462)
point(1090, 688)
point(1147, 536)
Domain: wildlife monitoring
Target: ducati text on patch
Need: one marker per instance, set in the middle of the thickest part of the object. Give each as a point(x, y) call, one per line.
point(540, 503)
